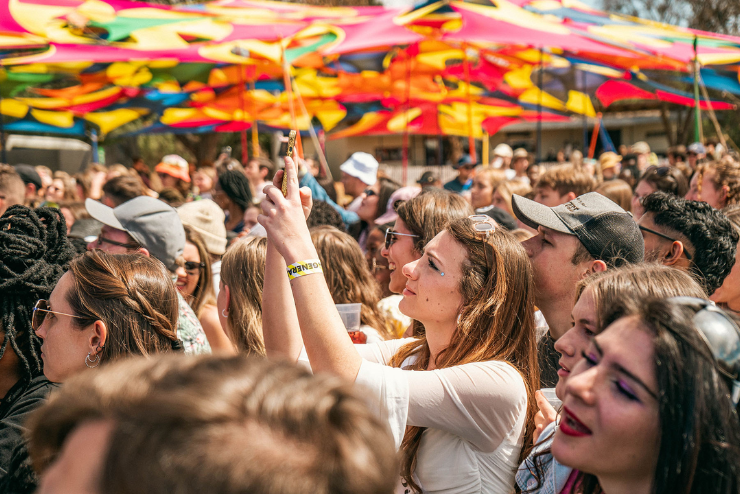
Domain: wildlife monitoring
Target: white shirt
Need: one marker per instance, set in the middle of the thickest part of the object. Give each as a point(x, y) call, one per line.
point(475, 415)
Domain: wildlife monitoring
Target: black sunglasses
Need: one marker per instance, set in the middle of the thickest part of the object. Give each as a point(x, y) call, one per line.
point(390, 234)
point(102, 240)
point(722, 336)
point(369, 192)
point(194, 266)
point(663, 235)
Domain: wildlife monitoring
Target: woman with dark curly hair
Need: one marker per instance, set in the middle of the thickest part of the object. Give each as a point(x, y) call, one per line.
point(34, 253)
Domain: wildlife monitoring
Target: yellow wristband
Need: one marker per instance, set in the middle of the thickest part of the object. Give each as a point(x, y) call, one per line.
point(303, 268)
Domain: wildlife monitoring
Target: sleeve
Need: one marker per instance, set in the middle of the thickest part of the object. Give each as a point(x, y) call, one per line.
point(12, 425)
point(319, 194)
point(479, 402)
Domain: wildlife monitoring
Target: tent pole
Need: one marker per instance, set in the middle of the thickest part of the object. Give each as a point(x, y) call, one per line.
point(242, 89)
point(255, 131)
point(539, 109)
point(471, 137)
point(3, 157)
point(698, 133)
point(584, 116)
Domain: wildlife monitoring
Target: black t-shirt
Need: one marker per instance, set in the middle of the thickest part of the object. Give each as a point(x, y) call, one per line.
point(547, 358)
point(23, 398)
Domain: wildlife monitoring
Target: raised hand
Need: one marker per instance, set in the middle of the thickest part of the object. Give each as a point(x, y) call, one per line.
point(284, 218)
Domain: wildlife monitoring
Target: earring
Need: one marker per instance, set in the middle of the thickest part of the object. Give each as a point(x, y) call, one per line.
point(441, 274)
point(90, 361)
point(224, 313)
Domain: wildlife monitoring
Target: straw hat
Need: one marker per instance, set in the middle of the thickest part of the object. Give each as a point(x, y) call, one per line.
point(609, 160)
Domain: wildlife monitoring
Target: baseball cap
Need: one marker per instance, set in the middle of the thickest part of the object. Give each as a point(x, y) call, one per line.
point(29, 175)
point(607, 231)
point(175, 166)
point(499, 216)
point(503, 150)
point(427, 178)
point(363, 166)
point(154, 224)
point(206, 218)
point(463, 161)
point(640, 147)
point(697, 147)
point(402, 194)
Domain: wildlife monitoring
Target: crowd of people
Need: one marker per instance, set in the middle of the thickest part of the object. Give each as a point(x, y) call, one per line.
point(558, 329)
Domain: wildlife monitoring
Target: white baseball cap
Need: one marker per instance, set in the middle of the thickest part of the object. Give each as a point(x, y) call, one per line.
point(503, 150)
point(363, 166)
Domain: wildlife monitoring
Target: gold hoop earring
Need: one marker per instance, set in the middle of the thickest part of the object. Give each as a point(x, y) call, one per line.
point(90, 361)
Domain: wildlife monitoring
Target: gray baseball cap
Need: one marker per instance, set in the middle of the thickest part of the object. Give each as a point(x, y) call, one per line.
point(608, 232)
point(154, 224)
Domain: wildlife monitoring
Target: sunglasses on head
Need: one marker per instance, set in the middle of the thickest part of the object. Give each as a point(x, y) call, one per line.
point(390, 234)
point(40, 311)
point(722, 336)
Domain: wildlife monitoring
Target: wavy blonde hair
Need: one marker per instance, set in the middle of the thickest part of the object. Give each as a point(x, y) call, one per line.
point(243, 271)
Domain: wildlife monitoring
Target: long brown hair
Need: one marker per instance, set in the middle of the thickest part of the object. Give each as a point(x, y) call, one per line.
point(243, 271)
point(204, 293)
point(348, 276)
point(496, 322)
point(133, 295)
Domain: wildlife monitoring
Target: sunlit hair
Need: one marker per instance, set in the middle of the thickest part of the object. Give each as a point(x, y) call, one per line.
point(132, 294)
point(203, 294)
point(348, 276)
point(243, 271)
point(618, 191)
point(496, 322)
point(430, 212)
point(726, 173)
point(510, 187)
point(494, 176)
point(220, 424)
point(566, 178)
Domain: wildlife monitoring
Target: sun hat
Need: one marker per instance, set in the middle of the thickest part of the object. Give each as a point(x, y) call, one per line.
point(363, 166)
point(609, 159)
point(503, 150)
point(154, 225)
point(640, 147)
point(175, 166)
point(607, 231)
point(206, 218)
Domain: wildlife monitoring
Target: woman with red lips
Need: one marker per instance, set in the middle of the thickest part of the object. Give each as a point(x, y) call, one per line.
point(460, 427)
point(651, 408)
point(539, 472)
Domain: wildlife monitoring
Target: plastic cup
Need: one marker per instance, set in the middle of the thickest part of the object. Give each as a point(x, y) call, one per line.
point(350, 314)
point(552, 398)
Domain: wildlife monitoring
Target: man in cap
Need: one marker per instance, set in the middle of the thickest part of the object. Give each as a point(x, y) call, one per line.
point(149, 227)
point(359, 172)
point(429, 179)
point(171, 169)
point(695, 154)
point(587, 235)
point(610, 164)
point(32, 181)
point(641, 150)
point(464, 179)
point(519, 165)
point(502, 155)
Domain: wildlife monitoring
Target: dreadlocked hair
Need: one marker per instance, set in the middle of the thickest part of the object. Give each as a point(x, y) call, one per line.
point(34, 254)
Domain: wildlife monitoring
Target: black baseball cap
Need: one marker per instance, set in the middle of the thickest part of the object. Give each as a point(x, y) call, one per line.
point(499, 216)
point(607, 231)
point(29, 175)
point(427, 178)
